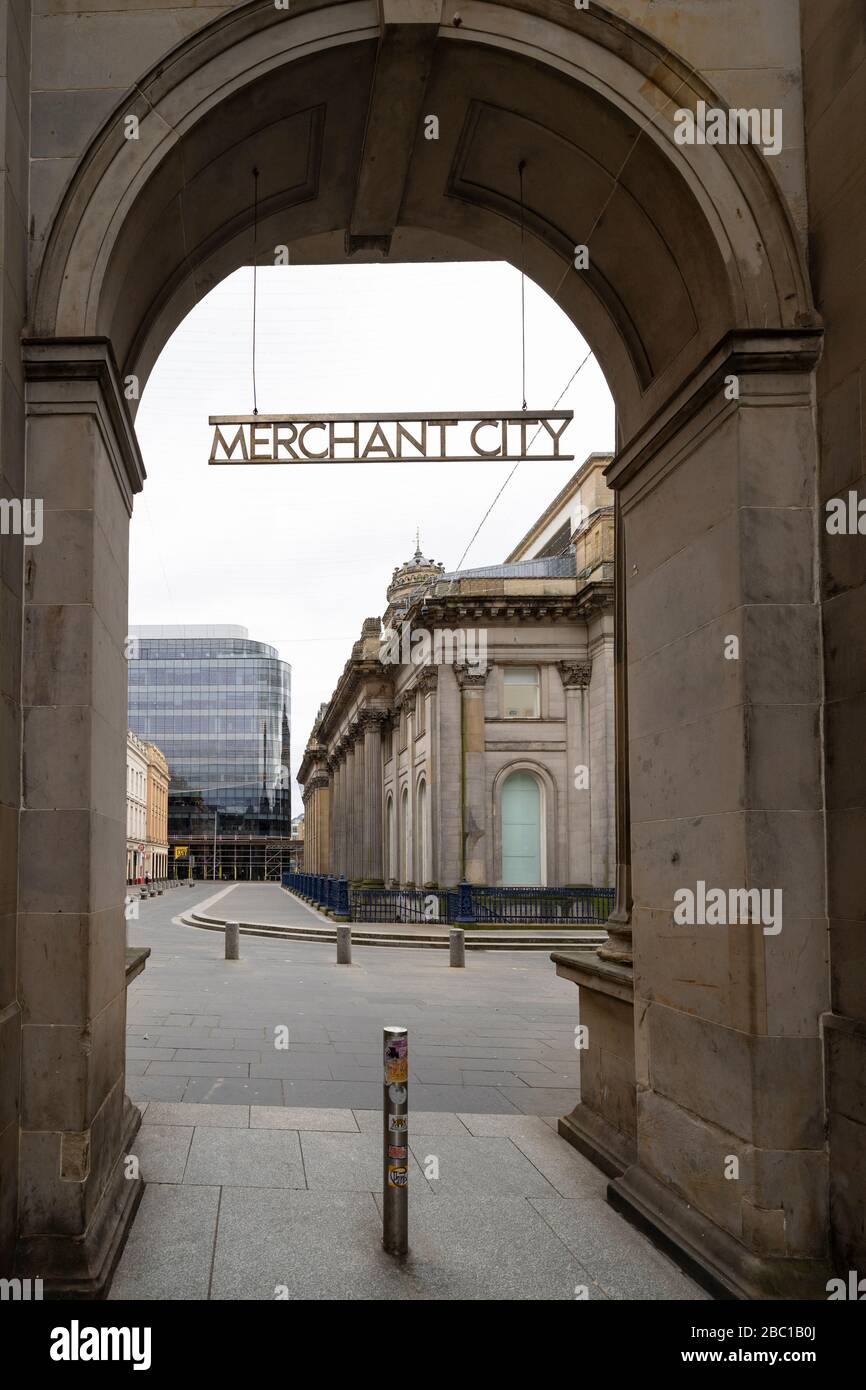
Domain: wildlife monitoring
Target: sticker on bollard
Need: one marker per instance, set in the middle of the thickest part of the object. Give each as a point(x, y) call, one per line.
point(395, 1151)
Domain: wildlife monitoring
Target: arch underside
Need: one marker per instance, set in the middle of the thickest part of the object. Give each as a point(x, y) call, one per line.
point(330, 107)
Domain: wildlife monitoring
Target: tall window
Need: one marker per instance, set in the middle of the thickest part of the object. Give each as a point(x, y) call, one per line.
point(422, 853)
point(390, 847)
point(522, 698)
point(521, 830)
point(405, 842)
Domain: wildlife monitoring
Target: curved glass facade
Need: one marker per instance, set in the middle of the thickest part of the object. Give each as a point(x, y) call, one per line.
point(219, 707)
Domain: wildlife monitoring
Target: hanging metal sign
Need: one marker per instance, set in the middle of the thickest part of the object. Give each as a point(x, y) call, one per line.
point(437, 438)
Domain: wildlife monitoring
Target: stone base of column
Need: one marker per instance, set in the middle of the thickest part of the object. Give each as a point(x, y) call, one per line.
point(604, 1125)
point(597, 1140)
point(82, 1267)
point(711, 1256)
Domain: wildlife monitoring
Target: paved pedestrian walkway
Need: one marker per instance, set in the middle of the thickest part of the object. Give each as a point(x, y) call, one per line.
point(496, 1037)
point(263, 1203)
point(263, 1163)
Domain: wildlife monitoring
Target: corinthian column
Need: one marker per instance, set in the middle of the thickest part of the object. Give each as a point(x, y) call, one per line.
point(349, 811)
point(372, 721)
point(358, 806)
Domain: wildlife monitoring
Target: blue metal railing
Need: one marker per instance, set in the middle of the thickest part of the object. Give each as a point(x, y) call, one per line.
point(397, 905)
point(461, 906)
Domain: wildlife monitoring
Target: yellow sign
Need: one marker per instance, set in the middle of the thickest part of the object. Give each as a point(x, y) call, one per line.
point(181, 851)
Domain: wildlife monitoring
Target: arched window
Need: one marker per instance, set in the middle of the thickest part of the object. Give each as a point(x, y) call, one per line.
point(405, 841)
point(422, 853)
point(521, 830)
point(390, 847)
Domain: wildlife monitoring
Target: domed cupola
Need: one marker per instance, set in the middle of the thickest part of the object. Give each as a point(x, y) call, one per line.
point(413, 574)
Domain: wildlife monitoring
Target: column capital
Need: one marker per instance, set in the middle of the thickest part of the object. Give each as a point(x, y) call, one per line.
point(575, 673)
point(468, 679)
point(428, 679)
point(373, 718)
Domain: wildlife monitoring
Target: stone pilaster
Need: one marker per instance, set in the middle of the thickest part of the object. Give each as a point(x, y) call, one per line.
point(575, 676)
point(76, 1122)
point(618, 948)
point(472, 685)
point(724, 680)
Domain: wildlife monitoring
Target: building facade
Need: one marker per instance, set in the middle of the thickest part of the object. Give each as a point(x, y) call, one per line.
point(218, 705)
point(156, 853)
point(136, 808)
point(471, 732)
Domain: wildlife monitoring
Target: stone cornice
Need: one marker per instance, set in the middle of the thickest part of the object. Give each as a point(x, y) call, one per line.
point(454, 610)
point(80, 375)
point(770, 351)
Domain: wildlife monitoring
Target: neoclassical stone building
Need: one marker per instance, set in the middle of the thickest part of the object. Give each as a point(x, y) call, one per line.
point(471, 732)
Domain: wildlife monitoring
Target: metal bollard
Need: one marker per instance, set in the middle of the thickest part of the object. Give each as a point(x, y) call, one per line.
point(344, 945)
point(395, 1141)
point(457, 946)
point(233, 941)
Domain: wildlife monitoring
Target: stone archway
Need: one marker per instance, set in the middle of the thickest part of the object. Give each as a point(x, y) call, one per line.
point(695, 279)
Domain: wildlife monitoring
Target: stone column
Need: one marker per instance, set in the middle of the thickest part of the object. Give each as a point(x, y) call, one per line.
point(473, 799)
point(724, 689)
point(428, 682)
point(349, 823)
point(346, 809)
point(76, 1124)
point(575, 676)
point(358, 794)
point(333, 825)
point(372, 721)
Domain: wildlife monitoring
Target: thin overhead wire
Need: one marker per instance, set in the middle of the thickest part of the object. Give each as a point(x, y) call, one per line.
point(574, 374)
point(520, 168)
point(255, 277)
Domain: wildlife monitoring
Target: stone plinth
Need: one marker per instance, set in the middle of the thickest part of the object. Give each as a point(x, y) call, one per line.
point(604, 1125)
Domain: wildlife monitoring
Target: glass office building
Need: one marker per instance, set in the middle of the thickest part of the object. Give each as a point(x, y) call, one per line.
point(219, 707)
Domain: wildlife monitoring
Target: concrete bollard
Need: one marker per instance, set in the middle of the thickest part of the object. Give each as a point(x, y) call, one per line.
point(344, 945)
point(233, 941)
point(457, 946)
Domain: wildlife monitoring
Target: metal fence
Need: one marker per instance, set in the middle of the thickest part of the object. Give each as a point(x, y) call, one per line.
point(562, 906)
point(397, 905)
point(461, 906)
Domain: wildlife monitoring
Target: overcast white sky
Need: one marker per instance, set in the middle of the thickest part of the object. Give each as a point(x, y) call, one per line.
point(300, 555)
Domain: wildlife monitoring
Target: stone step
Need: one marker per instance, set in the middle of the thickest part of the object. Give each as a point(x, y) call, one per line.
point(361, 936)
